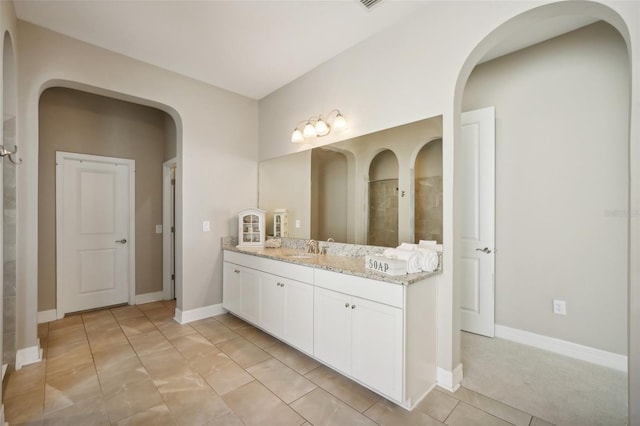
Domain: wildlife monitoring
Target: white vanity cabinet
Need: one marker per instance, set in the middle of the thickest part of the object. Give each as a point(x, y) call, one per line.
point(378, 333)
point(241, 286)
point(360, 337)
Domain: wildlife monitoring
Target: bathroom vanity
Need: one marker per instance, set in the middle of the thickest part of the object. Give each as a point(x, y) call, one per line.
point(378, 330)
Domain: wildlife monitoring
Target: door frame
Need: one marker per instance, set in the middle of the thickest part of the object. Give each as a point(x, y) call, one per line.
point(130, 164)
point(168, 291)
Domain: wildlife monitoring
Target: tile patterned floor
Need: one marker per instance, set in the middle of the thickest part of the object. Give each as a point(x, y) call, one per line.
point(134, 365)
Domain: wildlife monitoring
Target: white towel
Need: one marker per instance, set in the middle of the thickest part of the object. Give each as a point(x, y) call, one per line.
point(407, 246)
point(427, 242)
point(433, 245)
point(430, 259)
point(413, 258)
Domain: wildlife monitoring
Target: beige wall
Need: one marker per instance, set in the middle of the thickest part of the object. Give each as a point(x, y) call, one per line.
point(74, 121)
point(562, 182)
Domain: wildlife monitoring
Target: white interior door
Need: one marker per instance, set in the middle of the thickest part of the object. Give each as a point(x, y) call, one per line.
point(478, 229)
point(94, 219)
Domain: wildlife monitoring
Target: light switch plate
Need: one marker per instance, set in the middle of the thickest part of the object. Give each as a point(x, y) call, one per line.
point(206, 226)
point(158, 229)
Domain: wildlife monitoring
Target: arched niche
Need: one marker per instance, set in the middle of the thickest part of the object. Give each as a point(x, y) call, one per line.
point(330, 195)
point(383, 200)
point(428, 195)
point(9, 108)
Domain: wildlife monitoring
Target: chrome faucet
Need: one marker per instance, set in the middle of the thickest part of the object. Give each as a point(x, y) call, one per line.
point(312, 246)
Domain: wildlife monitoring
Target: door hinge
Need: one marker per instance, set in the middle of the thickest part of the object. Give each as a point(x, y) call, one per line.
point(173, 276)
point(173, 229)
point(173, 181)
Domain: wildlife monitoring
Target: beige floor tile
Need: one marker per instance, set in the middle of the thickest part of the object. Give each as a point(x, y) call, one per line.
point(345, 389)
point(65, 322)
point(105, 338)
point(113, 356)
point(136, 325)
point(56, 349)
point(70, 386)
point(151, 305)
point(115, 377)
point(169, 304)
point(123, 312)
point(172, 330)
point(25, 407)
point(466, 415)
point(149, 343)
point(221, 373)
point(539, 422)
point(387, 413)
point(281, 380)
point(243, 352)
point(158, 415)
point(292, 357)
point(78, 356)
point(98, 320)
point(214, 331)
point(160, 314)
point(493, 407)
point(231, 321)
point(227, 420)
point(256, 405)
point(28, 379)
point(165, 363)
point(89, 412)
point(256, 336)
point(43, 330)
point(195, 406)
point(437, 404)
point(194, 345)
point(67, 334)
point(133, 399)
point(323, 409)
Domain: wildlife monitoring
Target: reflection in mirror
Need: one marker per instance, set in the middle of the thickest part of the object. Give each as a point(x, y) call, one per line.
point(383, 200)
point(342, 191)
point(428, 190)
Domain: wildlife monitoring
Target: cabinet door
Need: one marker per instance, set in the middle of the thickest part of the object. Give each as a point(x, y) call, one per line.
point(377, 346)
point(298, 315)
point(332, 329)
point(250, 292)
point(231, 289)
point(272, 304)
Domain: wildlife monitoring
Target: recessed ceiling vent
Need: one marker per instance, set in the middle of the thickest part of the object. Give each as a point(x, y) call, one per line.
point(369, 3)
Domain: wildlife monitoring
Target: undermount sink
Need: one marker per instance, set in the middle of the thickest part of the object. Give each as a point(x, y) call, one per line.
point(301, 256)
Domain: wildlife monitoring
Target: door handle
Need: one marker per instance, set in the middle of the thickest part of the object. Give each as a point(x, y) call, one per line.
point(122, 241)
point(484, 250)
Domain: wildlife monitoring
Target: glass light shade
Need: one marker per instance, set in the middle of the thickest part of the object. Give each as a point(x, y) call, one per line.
point(309, 131)
point(339, 122)
point(296, 136)
point(321, 127)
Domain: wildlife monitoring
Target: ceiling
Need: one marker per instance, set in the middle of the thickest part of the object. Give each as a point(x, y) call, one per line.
point(248, 47)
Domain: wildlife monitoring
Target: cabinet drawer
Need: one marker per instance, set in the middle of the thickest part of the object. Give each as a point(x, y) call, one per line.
point(378, 291)
point(287, 270)
point(241, 259)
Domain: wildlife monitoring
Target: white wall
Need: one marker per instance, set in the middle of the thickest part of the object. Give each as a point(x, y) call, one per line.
point(217, 156)
point(418, 69)
point(562, 182)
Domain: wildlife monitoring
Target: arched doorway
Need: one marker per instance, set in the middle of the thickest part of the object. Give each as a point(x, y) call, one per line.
point(572, 218)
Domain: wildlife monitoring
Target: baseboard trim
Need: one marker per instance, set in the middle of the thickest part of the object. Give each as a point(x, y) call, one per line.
point(450, 380)
point(184, 317)
point(149, 297)
point(562, 347)
point(47, 316)
point(30, 355)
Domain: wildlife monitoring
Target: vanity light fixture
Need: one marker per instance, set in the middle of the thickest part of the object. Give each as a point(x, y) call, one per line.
point(317, 127)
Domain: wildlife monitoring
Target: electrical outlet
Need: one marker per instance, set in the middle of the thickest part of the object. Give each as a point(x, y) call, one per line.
point(297, 223)
point(158, 229)
point(559, 307)
point(206, 226)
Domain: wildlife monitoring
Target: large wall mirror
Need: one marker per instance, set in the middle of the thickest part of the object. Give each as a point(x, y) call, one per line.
point(380, 189)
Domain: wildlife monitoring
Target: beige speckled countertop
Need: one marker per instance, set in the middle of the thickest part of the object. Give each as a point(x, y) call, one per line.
point(352, 265)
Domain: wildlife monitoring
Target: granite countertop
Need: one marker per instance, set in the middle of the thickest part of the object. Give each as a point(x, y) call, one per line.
point(352, 265)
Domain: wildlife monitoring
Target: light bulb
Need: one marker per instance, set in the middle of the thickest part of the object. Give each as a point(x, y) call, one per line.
point(321, 127)
point(296, 136)
point(339, 122)
point(309, 131)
